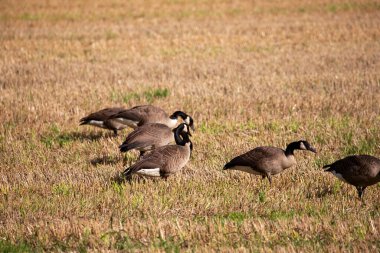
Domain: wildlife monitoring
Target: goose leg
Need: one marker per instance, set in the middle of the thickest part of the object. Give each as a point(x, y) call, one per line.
point(164, 175)
point(142, 154)
point(360, 191)
point(115, 132)
point(267, 175)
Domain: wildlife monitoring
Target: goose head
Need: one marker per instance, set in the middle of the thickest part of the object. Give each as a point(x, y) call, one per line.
point(186, 118)
point(305, 145)
point(181, 135)
point(300, 145)
point(182, 128)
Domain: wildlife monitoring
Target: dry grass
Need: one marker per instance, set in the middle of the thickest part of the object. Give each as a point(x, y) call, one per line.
point(250, 73)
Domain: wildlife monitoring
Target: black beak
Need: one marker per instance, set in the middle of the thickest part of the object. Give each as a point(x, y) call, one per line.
point(312, 149)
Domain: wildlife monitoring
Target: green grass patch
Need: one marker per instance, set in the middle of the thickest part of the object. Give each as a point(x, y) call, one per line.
point(273, 126)
point(118, 188)
point(130, 96)
point(7, 246)
point(364, 146)
point(212, 128)
point(236, 217)
point(169, 244)
point(149, 95)
point(56, 138)
point(262, 196)
point(30, 16)
point(111, 35)
point(281, 215)
point(352, 6)
point(120, 240)
point(62, 189)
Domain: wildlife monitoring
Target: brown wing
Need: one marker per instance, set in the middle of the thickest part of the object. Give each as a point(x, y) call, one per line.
point(156, 159)
point(147, 135)
point(358, 169)
point(259, 158)
point(143, 114)
point(103, 114)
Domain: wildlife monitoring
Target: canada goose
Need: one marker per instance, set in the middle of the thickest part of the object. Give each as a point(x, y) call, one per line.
point(151, 136)
point(165, 160)
point(102, 119)
point(358, 170)
point(267, 161)
point(144, 114)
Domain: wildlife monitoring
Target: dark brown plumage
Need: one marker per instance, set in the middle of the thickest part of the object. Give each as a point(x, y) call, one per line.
point(360, 171)
point(102, 119)
point(163, 161)
point(145, 114)
point(151, 136)
point(267, 161)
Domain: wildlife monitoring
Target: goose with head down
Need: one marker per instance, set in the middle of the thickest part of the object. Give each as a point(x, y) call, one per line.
point(268, 161)
point(103, 119)
point(151, 136)
point(360, 171)
point(164, 161)
point(145, 114)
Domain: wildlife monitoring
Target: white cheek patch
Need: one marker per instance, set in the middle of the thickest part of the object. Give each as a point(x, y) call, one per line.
point(97, 123)
point(302, 146)
point(246, 169)
point(187, 120)
point(149, 172)
point(172, 123)
point(338, 176)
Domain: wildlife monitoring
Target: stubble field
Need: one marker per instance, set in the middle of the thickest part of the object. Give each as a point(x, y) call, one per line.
point(249, 73)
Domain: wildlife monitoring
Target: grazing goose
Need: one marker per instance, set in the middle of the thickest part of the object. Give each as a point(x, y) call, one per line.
point(144, 114)
point(358, 170)
point(267, 161)
point(151, 136)
point(102, 119)
point(165, 160)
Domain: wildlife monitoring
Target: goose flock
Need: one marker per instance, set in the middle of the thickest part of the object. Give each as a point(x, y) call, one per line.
point(154, 131)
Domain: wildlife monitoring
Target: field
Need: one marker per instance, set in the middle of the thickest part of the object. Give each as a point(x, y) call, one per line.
point(250, 73)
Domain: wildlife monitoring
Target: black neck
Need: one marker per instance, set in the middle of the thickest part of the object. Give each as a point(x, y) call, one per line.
point(177, 138)
point(177, 114)
point(291, 147)
point(184, 140)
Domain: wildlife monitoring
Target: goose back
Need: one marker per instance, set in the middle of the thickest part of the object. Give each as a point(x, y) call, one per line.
point(103, 119)
point(162, 161)
point(263, 160)
point(147, 137)
point(357, 170)
point(144, 114)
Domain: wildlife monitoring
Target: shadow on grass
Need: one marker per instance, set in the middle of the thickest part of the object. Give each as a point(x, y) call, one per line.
point(81, 136)
point(119, 178)
point(320, 193)
point(106, 160)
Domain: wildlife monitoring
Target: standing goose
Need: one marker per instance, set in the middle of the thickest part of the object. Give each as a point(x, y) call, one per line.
point(165, 160)
point(151, 136)
point(360, 171)
point(144, 114)
point(267, 161)
point(102, 119)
